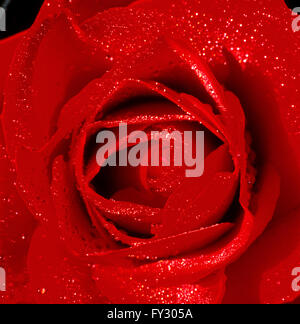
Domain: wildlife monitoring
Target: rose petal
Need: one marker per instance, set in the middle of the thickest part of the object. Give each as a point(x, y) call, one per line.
point(82, 11)
point(7, 48)
point(194, 205)
point(199, 265)
point(54, 277)
point(32, 84)
point(119, 290)
point(73, 224)
point(194, 209)
point(16, 228)
point(267, 266)
point(171, 246)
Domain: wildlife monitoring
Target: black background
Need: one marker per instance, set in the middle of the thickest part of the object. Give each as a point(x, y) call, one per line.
point(20, 14)
point(293, 3)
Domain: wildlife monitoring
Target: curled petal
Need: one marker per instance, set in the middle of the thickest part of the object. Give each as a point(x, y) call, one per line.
point(199, 265)
point(172, 246)
point(194, 205)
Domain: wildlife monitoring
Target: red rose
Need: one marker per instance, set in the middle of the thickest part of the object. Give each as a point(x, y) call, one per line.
point(73, 232)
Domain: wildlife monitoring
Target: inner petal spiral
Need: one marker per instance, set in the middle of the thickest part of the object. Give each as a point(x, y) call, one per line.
point(152, 184)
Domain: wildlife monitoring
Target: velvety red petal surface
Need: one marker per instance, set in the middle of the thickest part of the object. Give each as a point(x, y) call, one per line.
point(233, 71)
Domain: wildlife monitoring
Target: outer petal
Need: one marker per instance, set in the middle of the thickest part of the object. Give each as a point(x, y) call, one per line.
point(7, 48)
point(264, 273)
point(54, 276)
point(16, 223)
point(120, 290)
point(16, 228)
point(35, 92)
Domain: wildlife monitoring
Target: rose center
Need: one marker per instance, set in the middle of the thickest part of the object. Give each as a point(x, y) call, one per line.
point(171, 143)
